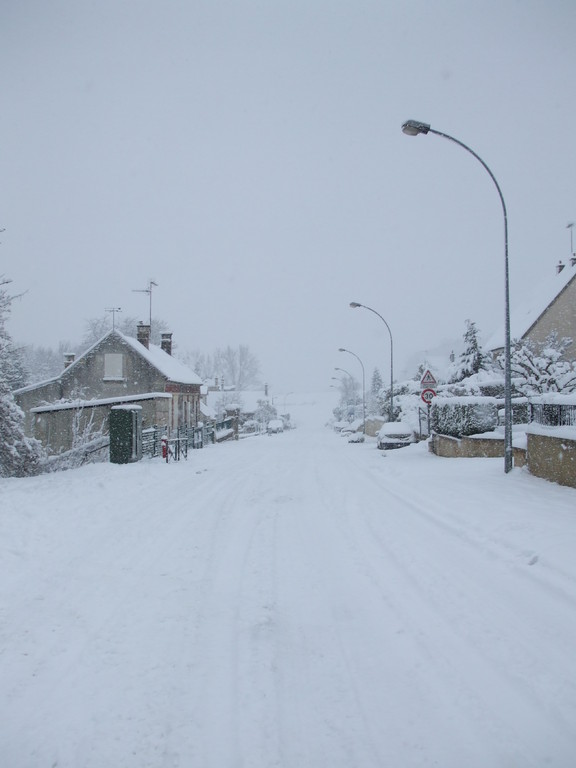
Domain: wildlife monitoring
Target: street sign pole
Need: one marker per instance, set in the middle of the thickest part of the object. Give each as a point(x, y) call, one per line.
point(427, 395)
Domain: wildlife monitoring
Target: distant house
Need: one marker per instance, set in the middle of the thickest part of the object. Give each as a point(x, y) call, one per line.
point(551, 309)
point(232, 403)
point(117, 369)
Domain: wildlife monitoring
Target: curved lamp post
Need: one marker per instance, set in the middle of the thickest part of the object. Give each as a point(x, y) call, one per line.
point(341, 349)
point(346, 372)
point(413, 128)
point(354, 305)
point(351, 393)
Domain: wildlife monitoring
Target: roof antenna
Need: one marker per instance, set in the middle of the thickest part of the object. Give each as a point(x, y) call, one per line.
point(113, 310)
point(149, 292)
point(570, 226)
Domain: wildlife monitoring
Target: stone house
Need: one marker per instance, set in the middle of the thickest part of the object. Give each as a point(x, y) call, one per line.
point(552, 308)
point(117, 369)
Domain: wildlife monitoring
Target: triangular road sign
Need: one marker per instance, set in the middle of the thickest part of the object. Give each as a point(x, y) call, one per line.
point(428, 380)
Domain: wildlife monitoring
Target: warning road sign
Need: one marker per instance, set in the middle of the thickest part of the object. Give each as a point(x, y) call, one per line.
point(428, 380)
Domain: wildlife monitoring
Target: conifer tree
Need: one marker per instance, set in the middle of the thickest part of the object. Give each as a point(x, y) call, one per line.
point(19, 455)
point(473, 359)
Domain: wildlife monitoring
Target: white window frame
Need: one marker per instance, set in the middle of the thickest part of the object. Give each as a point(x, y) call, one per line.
point(113, 366)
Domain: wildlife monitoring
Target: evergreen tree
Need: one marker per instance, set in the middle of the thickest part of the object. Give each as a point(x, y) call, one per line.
point(473, 359)
point(375, 395)
point(19, 455)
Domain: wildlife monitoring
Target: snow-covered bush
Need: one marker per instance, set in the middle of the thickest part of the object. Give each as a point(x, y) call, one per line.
point(540, 367)
point(19, 454)
point(463, 416)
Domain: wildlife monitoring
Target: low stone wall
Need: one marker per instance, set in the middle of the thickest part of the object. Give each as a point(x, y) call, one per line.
point(373, 426)
point(552, 458)
point(466, 447)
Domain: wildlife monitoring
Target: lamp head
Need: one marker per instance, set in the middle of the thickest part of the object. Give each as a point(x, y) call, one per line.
point(414, 127)
point(341, 349)
point(355, 304)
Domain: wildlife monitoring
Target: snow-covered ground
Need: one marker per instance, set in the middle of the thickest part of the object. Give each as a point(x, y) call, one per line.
point(290, 600)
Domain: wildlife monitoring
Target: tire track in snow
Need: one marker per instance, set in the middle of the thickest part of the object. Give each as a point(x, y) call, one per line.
point(423, 571)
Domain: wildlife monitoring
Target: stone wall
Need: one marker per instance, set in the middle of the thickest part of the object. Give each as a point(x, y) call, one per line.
point(553, 458)
point(466, 447)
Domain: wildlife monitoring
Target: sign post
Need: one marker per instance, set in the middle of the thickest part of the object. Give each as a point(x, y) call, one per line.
point(427, 383)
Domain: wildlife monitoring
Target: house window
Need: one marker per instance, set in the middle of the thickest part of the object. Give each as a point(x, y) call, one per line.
point(113, 366)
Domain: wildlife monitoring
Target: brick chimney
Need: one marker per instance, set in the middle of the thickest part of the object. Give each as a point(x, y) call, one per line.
point(166, 343)
point(69, 358)
point(143, 334)
point(559, 267)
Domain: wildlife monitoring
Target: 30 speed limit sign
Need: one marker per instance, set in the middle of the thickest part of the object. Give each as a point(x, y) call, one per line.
point(427, 395)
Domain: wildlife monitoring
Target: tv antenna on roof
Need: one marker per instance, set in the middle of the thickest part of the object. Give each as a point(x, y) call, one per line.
point(570, 226)
point(149, 292)
point(113, 310)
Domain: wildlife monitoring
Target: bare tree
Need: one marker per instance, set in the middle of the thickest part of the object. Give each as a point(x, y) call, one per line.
point(539, 367)
point(238, 367)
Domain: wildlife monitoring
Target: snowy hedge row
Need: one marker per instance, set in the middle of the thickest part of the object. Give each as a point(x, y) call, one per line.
point(463, 416)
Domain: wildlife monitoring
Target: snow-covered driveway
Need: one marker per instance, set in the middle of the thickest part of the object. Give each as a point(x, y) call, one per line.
point(289, 600)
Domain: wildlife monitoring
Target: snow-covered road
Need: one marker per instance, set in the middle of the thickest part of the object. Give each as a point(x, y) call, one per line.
point(291, 601)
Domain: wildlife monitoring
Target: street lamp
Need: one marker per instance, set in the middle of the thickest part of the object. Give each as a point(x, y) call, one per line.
point(413, 128)
point(346, 372)
point(341, 349)
point(354, 305)
point(350, 391)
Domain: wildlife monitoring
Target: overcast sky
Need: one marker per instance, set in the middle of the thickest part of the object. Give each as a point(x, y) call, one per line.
point(248, 156)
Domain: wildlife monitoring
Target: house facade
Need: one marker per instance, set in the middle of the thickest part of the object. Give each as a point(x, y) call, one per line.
point(552, 309)
point(117, 369)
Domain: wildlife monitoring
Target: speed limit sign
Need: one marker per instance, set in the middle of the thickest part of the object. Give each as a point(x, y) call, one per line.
point(427, 395)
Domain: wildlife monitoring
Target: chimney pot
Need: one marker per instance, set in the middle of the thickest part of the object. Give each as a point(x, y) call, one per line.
point(166, 343)
point(573, 260)
point(559, 267)
point(143, 334)
point(69, 358)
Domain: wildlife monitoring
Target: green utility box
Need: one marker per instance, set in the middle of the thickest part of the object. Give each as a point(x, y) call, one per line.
point(125, 434)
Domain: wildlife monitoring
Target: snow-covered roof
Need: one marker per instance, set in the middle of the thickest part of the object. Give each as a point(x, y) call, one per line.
point(168, 366)
point(207, 411)
point(171, 367)
point(523, 317)
point(75, 404)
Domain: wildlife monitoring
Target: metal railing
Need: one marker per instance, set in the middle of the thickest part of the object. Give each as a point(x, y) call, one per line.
point(160, 441)
point(553, 414)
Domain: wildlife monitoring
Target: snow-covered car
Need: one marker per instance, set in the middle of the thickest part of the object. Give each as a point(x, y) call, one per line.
point(350, 427)
point(394, 434)
point(275, 426)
